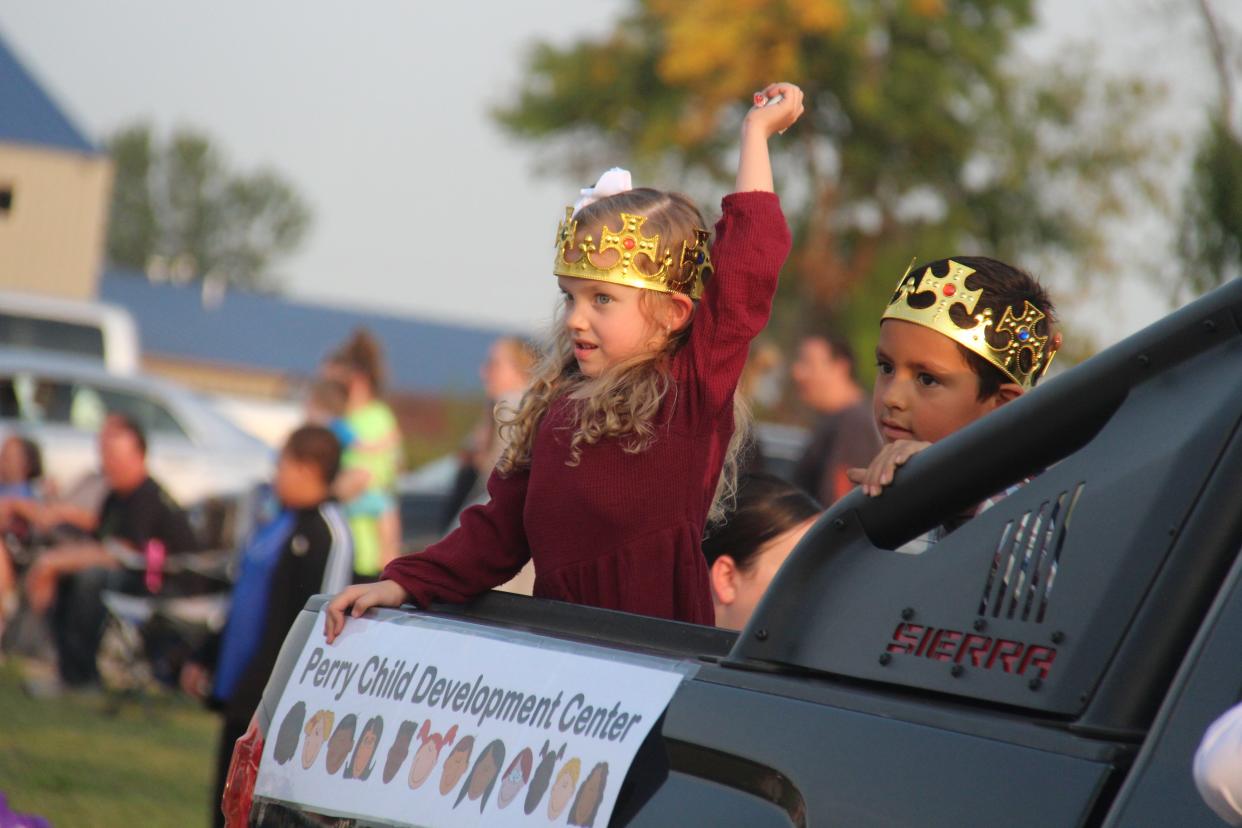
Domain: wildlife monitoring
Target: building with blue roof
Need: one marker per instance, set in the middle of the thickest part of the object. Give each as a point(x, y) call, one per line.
point(256, 354)
point(31, 117)
point(264, 344)
point(55, 185)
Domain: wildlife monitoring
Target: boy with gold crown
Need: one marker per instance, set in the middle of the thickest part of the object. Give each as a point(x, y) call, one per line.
point(960, 338)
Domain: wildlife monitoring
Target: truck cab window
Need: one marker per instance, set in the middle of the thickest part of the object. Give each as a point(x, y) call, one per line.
point(153, 417)
point(51, 335)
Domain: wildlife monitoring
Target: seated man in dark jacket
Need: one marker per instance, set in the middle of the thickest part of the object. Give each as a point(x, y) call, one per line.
point(139, 525)
point(305, 550)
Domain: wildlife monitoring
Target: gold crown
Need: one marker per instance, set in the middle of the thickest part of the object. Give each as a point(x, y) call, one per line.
point(685, 274)
point(951, 289)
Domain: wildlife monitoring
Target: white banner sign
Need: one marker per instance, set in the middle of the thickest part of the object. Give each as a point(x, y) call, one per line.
point(419, 722)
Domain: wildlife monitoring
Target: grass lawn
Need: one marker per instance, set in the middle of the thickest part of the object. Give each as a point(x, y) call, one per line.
point(75, 763)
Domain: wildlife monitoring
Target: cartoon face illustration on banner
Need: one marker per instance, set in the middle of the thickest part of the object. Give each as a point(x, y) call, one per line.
point(455, 765)
point(317, 730)
point(542, 777)
point(399, 750)
point(428, 752)
point(586, 804)
point(341, 743)
point(563, 788)
point(363, 760)
point(483, 775)
point(515, 777)
point(287, 736)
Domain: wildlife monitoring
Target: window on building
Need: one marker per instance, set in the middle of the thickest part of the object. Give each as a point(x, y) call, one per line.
point(6, 199)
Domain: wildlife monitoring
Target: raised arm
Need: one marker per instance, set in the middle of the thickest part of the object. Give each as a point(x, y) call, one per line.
point(754, 167)
point(751, 245)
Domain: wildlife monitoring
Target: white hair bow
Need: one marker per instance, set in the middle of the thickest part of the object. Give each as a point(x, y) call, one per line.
point(611, 183)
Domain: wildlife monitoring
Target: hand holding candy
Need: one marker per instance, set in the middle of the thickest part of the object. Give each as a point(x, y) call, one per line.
point(776, 108)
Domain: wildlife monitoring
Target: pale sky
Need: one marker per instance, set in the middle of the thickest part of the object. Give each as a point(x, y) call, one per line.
point(378, 113)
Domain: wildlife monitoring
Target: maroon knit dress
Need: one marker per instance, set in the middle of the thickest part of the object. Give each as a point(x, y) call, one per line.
point(622, 531)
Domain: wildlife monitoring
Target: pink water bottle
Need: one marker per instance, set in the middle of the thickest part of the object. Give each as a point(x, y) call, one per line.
point(155, 565)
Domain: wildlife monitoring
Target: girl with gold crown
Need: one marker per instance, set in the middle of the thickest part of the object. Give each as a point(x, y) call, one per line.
point(615, 455)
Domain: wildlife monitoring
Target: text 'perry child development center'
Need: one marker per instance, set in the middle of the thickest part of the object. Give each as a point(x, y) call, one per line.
point(376, 678)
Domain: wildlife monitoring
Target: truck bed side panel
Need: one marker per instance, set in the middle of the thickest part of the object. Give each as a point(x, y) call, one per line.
point(859, 770)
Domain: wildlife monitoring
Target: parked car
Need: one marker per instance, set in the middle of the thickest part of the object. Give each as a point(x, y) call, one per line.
point(1052, 662)
point(423, 496)
point(782, 446)
point(59, 402)
point(88, 330)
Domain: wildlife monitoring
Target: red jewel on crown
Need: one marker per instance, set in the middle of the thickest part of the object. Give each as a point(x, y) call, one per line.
point(628, 242)
point(949, 290)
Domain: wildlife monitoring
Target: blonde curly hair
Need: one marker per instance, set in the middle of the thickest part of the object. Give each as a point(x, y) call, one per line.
point(623, 401)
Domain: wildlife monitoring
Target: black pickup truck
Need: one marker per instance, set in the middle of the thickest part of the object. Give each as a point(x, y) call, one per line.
point(1053, 662)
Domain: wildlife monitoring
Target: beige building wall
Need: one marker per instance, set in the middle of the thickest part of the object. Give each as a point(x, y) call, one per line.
point(52, 236)
point(214, 378)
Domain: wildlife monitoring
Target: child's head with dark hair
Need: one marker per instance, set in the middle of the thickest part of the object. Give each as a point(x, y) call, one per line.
point(960, 338)
point(1004, 286)
point(20, 460)
point(769, 517)
point(307, 466)
point(318, 446)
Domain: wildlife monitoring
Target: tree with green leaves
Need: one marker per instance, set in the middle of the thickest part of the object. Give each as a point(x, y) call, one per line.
point(1210, 237)
point(177, 207)
point(924, 134)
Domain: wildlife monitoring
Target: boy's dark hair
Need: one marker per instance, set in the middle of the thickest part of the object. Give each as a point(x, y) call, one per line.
point(1003, 286)
point(318, 446)
point(766, 506)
